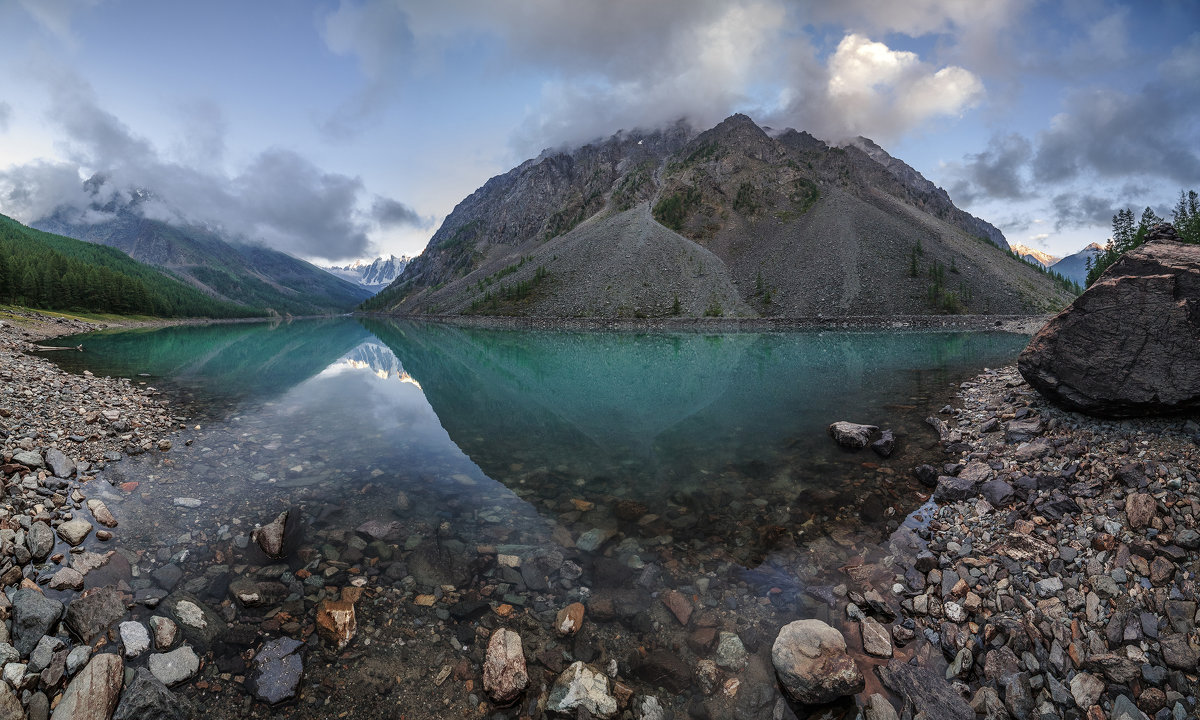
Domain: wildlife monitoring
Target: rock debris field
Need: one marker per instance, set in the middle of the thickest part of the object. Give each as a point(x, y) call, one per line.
point(1053, 576)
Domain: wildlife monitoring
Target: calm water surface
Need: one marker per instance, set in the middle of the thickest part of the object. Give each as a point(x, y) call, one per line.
point(646, 461)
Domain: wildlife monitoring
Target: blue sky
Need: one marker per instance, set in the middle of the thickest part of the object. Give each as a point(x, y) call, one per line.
point(338, 129)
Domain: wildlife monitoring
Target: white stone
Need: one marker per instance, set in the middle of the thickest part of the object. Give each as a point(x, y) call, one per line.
point(134, 637)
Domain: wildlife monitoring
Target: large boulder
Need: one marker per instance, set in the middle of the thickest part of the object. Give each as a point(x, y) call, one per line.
point(1127, 346)
point(813, 666)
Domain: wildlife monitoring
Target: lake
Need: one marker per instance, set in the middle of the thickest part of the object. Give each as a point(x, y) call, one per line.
point(477, 478)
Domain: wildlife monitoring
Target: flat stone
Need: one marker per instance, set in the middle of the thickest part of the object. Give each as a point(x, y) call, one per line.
point(878, 708)
point(40, 541)
point(94, 692)
point(74, 531)
point(66, 579)
point(1139, 510)
point(679, 605)
point(1177, 653)
point(43, 654)
point(101, 512)
point(172, 668)
point(278, 669)
point(30, 459)
point(926, 690)
point(876, 639)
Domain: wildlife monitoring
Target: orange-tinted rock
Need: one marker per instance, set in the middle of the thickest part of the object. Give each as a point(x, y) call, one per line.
point(336, 622)
point(569, 619)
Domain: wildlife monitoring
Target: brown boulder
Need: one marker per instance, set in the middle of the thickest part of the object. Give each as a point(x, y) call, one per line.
point(813, 666)
point(1127, 346)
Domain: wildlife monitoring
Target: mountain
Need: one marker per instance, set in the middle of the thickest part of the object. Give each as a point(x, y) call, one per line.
point(375, 275)
point(1035, 256)
point(726, 222)
point(43, 270)
point(1074, 267)
point(249, 275)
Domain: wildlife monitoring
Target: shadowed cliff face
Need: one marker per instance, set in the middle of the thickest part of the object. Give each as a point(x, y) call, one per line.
point(730, 221)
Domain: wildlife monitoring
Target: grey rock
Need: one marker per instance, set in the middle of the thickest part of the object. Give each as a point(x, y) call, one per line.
point(851, 435)
point(200, 625)
point(1177, 653)
point(61, 465)
point(954, 488)
point(878, 708)
point(91, 613)
point(172, 668)
point(29, 458)
point(997, 492)
point(134, 637)
point(731, 654)
point(40, 541)
point(167, 576)
point(146, 698)
point(74, 531)
point(270, 536)
point(41, 656)
point(1124, 709)
point(77, 658)
point(34, 615)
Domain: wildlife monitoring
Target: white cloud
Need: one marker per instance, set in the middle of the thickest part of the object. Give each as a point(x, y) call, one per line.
point(873, 90)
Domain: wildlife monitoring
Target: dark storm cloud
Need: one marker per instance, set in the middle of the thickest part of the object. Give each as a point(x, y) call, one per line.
point(390, 213)
point(997, 172)
point(1075, 209)
point(280, 199)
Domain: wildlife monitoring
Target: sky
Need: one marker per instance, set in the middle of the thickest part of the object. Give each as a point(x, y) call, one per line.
point(344, 129)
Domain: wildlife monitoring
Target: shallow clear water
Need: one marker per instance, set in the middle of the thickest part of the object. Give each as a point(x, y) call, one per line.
point(702, 454)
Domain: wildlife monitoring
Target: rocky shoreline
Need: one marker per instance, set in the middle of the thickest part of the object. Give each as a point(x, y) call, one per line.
point(1058, 576)
point(57, 432)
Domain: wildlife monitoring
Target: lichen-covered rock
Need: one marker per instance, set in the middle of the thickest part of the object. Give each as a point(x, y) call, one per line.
point(1127, 346)
point(813, 666)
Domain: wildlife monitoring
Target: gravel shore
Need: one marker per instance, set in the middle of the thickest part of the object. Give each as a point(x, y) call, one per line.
point(1058, 576)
